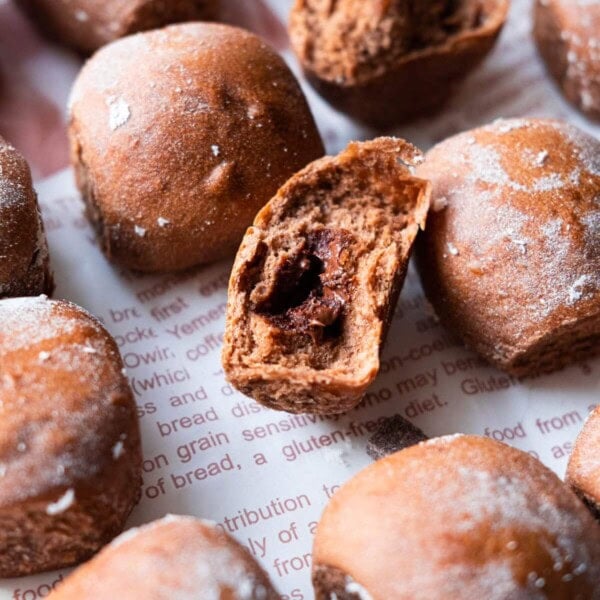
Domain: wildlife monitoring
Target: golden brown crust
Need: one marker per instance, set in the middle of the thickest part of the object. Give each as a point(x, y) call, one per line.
point(179, 136)
point(318, 275)
point(456, 517)
point(511, 256)
point(24, 259)
point(583, 472)
point(86, 25)
point(175, 557)
point(385, 62)
point(70, 456)
point(567, 36)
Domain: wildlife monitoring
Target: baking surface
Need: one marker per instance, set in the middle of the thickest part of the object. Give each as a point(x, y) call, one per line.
point(209, 451)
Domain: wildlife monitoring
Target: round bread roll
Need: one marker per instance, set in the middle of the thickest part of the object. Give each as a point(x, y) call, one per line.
point(179, 137)
point(24, 260)
point(567, 33)
point(86, 25)
point(583, 472)
point(456, 517)
point(70, 459)
point(388, 61)
point(175, 557)
point(510, 258)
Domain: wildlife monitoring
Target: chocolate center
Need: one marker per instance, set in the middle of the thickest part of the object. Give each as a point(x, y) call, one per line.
point(310, 291)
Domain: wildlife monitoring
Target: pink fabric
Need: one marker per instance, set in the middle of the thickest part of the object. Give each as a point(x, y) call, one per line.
point(35, 77)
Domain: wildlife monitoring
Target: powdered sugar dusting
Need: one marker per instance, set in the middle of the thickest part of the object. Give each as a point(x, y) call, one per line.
point(214, 566)
point(36, 322)
point(444, 439)
point(40, 346)
point(505, 501)
point(577, 289)
point(544, 263)
point(581, 37)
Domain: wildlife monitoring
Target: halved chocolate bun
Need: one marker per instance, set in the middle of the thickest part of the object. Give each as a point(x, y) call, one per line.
point(317, 277)
point(388, 61)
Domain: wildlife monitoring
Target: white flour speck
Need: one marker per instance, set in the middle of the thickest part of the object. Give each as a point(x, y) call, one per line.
point(541, 158)
point(118, 113)
point(62, 504)
point(117, 450)
point(576, 290)
point(453, 249)
point(439, 204)
point(355, 588)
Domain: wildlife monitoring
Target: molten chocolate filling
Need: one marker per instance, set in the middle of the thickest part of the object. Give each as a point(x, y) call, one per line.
point(310, 291)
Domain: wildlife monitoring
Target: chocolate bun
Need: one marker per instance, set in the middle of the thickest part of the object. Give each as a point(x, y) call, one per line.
point(70, 459)
point(24, 260)
point(456, 517)
point(386, 62)
point(567, 33)
point(86, 25)
point(179, 136)
point(583, 472)
point(511, 255)
point(317, 277)
point(175, 557)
